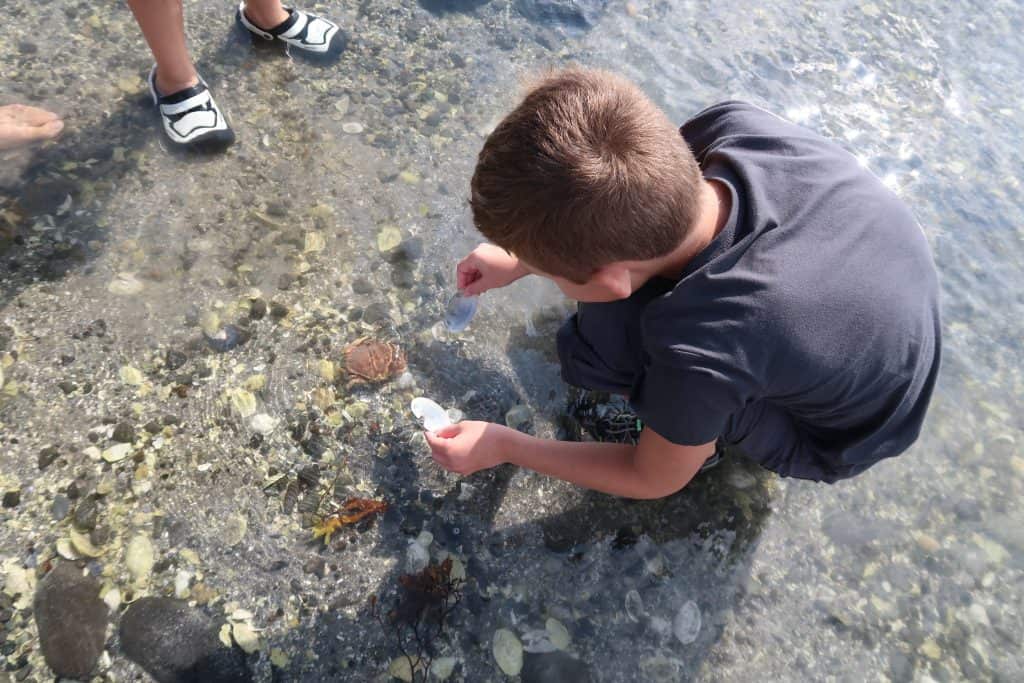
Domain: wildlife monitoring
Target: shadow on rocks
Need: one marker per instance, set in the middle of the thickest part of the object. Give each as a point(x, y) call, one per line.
point(176, 643)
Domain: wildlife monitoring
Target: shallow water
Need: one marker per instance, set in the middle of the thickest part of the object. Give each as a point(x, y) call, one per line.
point(912, 571)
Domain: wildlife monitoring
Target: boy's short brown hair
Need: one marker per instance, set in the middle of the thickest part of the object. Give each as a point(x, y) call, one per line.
point(586, 171)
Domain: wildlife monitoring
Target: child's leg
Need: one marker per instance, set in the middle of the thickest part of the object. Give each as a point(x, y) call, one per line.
point(265, 13)
point(163, 25)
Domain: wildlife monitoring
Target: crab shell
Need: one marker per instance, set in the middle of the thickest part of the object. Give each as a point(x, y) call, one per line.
point(369, 360)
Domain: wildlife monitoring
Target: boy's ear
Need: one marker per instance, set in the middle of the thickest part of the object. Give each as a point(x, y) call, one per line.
point(616, 279)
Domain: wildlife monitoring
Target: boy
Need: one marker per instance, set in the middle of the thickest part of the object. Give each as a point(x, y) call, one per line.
point(746, 282)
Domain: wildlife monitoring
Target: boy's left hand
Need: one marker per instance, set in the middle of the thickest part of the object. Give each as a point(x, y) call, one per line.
point(469, 447)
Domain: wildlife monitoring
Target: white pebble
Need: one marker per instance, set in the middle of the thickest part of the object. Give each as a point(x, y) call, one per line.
point(686, 625)
point(416, 558)
point(508, 652)
point(352, 127)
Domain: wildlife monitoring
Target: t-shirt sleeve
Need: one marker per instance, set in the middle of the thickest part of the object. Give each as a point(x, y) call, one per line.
point(687, 403)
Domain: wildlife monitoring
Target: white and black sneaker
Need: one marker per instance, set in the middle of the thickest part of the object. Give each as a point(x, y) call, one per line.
point(315, 36)
point(191, 119)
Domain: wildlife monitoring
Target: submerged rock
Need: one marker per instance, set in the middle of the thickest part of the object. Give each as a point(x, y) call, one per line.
point(177, 644)
point(12, 498)
point(572, 14)
point(47, 456)
point(555, 667)
point(227, 338)
point(72, 621)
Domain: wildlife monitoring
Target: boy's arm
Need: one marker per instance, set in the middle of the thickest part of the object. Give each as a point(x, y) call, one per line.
point(653, 468)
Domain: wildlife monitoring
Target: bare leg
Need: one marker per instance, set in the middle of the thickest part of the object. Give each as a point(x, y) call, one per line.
point(163, 25)
point(265, 13)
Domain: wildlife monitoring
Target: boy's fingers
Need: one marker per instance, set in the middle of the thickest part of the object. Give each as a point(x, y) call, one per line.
point(449, 431)
point(474, 288)
point(467, 274)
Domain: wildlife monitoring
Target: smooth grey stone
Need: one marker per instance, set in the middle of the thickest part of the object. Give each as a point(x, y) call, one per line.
point(554, 667)
point(72, 621)
point(175, 643)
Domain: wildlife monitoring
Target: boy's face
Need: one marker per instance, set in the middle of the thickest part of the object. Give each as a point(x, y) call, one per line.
point(609, 283)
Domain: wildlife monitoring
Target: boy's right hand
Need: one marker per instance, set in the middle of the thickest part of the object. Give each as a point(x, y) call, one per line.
point(488, 267)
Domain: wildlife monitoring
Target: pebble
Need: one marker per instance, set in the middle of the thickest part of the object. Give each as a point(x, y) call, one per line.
point(927, 543)
point(227, 338)
point(117, 453)
point(352, 127)
point(508, 652)
point(72, 621)
point(443, 667)
point(140, 558)
point(314, 242)
point(518, 417)
point(417, 558)
point(278, 310)
point(930, 649)
point(403, 277)
point(174, 359)
point(131, 376)
point(243, 402)
point(234, 529)
point(402, 668)
point(47, 456)
point(173, 642)
point(112, 598)
point(316, 566)
point(538, 641)
point(687, 622)
point(257, 309)
point(407, 251)
point(262, 423)
point(362, 285)
point(558, 633)
point(125, 284)
point(245, 636)
point(12, 498)
point(977, 614)
point(123, 433)
point(86, 514)
point(388, 238)
point(60, 507)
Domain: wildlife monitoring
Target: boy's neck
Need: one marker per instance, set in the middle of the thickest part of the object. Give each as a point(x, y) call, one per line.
point(713, 214)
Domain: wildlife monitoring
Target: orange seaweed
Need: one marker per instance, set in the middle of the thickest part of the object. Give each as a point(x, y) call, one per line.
point(351, 511)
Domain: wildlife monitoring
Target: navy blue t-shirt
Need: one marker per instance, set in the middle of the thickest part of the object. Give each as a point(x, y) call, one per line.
point(807, 332)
